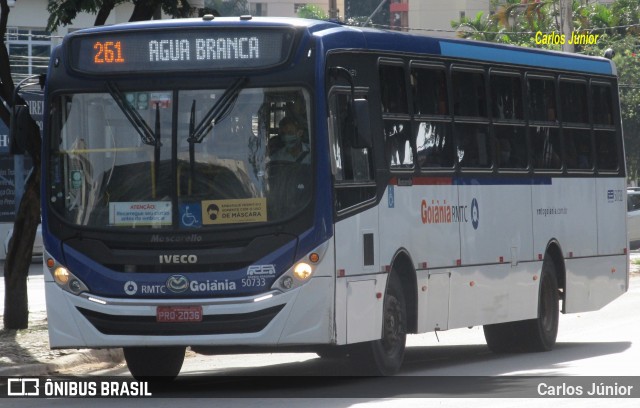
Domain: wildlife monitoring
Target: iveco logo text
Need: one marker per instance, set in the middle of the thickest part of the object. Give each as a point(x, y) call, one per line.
point(178, 259)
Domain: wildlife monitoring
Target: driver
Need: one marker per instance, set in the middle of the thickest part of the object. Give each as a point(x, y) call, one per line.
point(293, 148)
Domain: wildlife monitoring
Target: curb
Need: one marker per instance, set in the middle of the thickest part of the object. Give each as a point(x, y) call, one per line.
point(112, 356)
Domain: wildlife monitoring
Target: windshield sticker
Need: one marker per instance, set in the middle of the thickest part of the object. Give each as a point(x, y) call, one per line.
point(140, 213)
point(161, 99)
point(77, 177)
point(234, 211)
point(190, 215)
point(139, 100)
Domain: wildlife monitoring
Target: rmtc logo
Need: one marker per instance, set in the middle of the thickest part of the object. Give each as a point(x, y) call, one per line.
point(178, 259)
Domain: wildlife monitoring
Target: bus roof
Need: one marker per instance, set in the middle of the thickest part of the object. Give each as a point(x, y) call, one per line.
point(335, 35)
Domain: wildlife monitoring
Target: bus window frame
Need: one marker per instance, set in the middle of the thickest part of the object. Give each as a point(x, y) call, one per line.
point(571, 125)
point(552, 124)
point(405, 117)
point(471, 120)
point(359, 91)
point(418, 118)
point(521, 123)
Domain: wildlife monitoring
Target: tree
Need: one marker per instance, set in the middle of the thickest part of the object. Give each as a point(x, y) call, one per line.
point(478, 28)
point(65, 11)
point(312, 12)
point(18, 260)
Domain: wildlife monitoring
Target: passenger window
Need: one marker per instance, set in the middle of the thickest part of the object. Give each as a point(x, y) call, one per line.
point(606, 150)
point(397, 126)
point(511, 146)
point(469, 97)
point(573, 100)
point(434, 144)
point(474, 145)
point(429, 90)
point(393, 90)
point(546, 147)
point(397, 136)
point(506, 97)
point(542, 99)
point(577, 147)
point(602, 107)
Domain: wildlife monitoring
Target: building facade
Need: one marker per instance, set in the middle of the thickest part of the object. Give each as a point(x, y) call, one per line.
point(437, 14)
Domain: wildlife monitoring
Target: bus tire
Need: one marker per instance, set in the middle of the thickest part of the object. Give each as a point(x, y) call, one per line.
point(384, 356)
point(537, 334)
point(541, 332)
point(154, 363)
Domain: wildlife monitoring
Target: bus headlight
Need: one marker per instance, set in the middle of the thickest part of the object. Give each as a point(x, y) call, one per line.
point(65, 279)
point(302, 271)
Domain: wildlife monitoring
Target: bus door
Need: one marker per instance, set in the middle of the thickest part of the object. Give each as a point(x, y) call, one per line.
point(356, 229)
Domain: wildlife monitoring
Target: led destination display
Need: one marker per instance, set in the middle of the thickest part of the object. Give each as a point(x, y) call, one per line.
point(154, 51)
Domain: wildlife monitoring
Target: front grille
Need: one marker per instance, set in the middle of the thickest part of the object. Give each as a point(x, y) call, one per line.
point(214, 324)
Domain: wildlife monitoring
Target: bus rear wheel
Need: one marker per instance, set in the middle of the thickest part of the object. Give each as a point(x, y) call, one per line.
point(537, 334)
point(384, 356)
point(154, 363)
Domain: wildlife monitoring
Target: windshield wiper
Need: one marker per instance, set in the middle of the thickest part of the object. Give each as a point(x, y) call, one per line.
point(147, 135)
point(217, 112)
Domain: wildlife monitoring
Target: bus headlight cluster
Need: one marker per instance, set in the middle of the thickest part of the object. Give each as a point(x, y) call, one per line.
point(65, 279)
point(302, 271)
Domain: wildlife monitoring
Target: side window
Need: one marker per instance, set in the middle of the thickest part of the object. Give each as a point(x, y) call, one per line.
point(468, 93)
point(508, 120)
point(472, 126)
point(434, 144)
point(351, 166)
point(601, 105)
point(542, 99)
point(546, 147)
point(429, 90)
point(545, 135)
point(433, 136)
point(576, 129)
point(506, 97)
point(395, 115)
point(607, 150)
point(573, 101)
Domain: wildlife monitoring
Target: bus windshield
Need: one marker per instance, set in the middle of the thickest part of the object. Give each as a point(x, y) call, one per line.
point(180, 159)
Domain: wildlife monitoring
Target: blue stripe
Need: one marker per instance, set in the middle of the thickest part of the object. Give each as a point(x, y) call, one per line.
point(502, 181)
point(511, 55)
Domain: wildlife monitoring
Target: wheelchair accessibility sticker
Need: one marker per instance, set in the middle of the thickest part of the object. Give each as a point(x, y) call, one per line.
point(191, 215)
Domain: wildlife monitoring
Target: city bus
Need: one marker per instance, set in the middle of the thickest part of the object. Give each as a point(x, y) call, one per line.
point(428, 184)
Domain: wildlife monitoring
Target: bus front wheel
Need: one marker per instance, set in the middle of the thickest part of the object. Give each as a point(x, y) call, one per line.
point(154, 363)
point(537, 334)
point(384, 356)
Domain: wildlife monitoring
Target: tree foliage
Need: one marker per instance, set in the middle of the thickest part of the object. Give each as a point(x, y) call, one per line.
point(312, 12)
point(63, 12)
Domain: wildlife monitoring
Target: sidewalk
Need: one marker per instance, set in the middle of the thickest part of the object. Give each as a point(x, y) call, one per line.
point(27, 352)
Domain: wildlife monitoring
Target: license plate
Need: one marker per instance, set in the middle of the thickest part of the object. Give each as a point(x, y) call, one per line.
point(179, 314)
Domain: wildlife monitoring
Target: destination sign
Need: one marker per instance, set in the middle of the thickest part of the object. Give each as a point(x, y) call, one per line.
point(173, 50)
